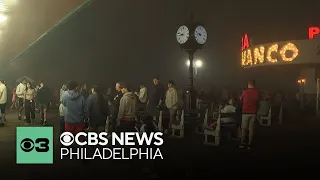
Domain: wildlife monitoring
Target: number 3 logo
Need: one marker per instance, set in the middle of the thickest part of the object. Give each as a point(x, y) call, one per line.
point(40, 145)
point(43, 145)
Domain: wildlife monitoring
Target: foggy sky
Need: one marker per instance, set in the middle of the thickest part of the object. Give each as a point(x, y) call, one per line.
point(133, 40)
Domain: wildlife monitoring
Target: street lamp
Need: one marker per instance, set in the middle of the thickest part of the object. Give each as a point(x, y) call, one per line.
point(302, 82)
point(196, 64)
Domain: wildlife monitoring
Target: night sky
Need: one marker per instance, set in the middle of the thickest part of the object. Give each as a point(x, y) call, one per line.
point(132, 41)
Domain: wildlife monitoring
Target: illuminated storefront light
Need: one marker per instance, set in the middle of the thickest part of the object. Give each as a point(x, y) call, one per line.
point(273, 48)
point(271, 54)
point(289, 47)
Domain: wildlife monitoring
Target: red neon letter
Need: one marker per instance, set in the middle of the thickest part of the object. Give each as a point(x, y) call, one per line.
point(245, 42)
point(313, 31)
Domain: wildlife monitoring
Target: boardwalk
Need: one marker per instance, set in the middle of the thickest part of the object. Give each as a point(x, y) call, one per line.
point(293, 145)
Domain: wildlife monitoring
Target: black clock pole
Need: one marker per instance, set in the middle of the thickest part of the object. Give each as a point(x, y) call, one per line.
point(192, 40)
point(192, 95)
point(191, 68)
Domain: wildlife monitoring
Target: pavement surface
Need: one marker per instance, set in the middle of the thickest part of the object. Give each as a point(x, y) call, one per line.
point(289, 150)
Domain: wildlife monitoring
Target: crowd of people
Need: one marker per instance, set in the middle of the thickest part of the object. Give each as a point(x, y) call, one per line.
point(83, 109)
point(79, 109)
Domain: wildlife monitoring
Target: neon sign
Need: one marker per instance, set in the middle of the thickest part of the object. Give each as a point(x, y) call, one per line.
point(271, 54)
point(245, 42)
point(313, 31)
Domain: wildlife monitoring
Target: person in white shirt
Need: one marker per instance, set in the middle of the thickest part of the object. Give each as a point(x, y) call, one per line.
point(142, 94)
point(172, 102)
point(229, 108)
point(3, 101)
point(29, 103)
point(21, 88)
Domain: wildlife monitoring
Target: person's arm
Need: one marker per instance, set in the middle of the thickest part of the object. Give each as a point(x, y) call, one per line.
point(63, 101)
point(175, 98)
point(18, 90)
point(162, 94)
point(89, 105)
point(142, 93)
point(85, 107)
point(122, 109)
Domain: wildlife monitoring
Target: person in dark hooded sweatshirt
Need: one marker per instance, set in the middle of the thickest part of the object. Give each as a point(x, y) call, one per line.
point(127, 110)
point(114, 108)
point(84, 91)
point(98, 110)
point(157, 97)
point(76, 109)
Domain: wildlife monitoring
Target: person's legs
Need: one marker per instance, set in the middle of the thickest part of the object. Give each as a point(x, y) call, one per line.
point(173, 114)
point(27, 111)
point(244, 127)
point(41, 113)
point(3, 113)
point(62, 125)
point(33, 111)
point(45, 114)
point(252, 124)
point(20, 107)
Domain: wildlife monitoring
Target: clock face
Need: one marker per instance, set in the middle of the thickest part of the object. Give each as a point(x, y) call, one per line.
point(183, 34)
point(200, 34)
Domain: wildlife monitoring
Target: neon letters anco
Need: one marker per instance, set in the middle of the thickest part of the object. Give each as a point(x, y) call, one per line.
point(271, 54)
point(245, 42)
point(313, 32)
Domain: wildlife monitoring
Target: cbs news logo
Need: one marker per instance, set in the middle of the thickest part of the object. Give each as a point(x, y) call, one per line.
point(34, 145)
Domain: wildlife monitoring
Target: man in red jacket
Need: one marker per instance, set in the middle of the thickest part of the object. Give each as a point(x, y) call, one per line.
point(250, 102)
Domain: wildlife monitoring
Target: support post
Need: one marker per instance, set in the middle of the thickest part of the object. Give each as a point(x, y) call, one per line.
point(317, 100)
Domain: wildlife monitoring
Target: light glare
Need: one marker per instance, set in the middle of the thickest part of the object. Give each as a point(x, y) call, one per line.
point(3, 18)
point(197, 63)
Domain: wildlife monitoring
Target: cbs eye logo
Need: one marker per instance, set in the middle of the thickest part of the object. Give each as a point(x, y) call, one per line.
point(67, 139)
point(40, 145)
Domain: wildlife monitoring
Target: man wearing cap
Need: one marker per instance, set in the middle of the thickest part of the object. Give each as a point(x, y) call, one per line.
point(127, 110)
point(3, 101)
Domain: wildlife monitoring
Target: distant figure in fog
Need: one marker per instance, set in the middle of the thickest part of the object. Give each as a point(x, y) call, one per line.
point(21, 88)
point(43, 99)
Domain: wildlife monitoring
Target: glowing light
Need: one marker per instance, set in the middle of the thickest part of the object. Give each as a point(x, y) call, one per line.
point(197, 63)
point(313, 31)
point(299, 81)
point(273, 48)
point(249, 57)
point(259, 55)
point(2, 7)
point(245, 42)
point(243, 61)
point(303, 81)
point(289, 47)
point(3, 18)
